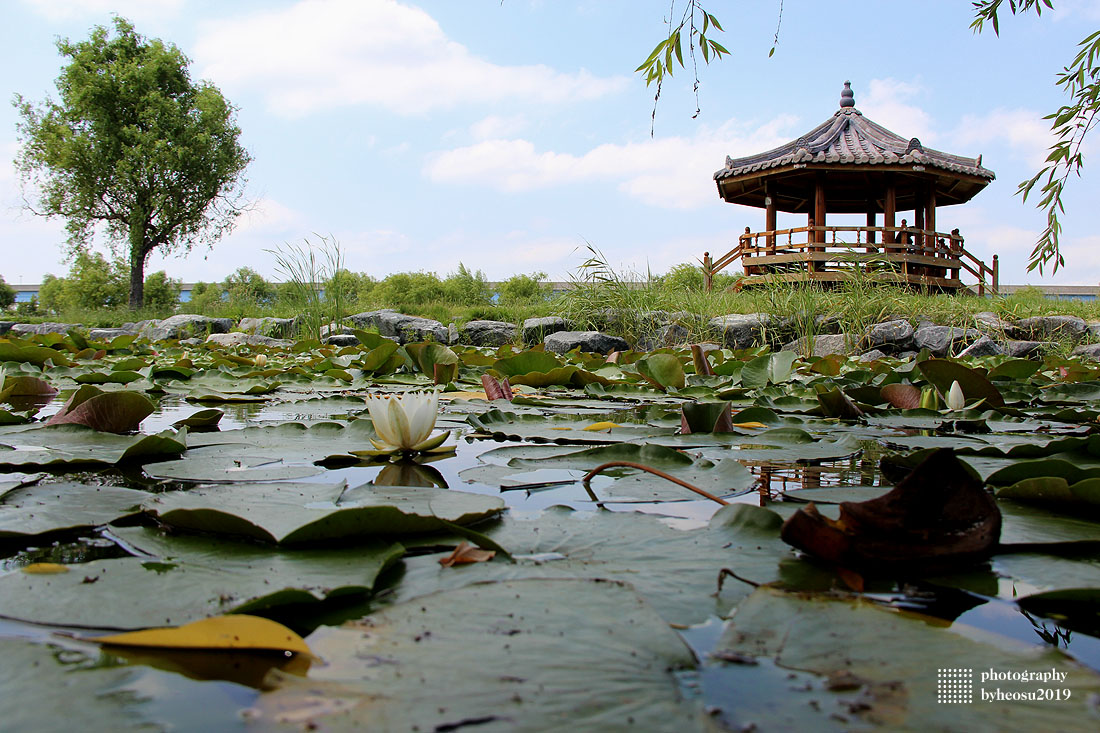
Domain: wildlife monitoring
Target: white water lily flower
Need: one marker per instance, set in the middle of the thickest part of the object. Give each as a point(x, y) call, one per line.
point(955, 400)
point(405, 423)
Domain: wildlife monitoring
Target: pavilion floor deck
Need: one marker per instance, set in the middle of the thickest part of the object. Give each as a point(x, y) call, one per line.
point(919, 259)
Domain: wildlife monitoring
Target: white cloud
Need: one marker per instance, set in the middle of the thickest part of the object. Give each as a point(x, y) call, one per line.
point(321, 54)
point(1024, 130)
point(672, 172)
point(889, 103)
point(60, 10)
point(267, 216)
point(495, 127)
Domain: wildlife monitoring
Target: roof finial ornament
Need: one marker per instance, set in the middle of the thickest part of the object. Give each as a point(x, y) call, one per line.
point(847, 97)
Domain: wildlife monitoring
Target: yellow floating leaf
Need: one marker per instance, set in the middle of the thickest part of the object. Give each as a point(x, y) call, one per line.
point(466, 553)
point(236, 631)
point(749, 425)
point(601, 426)
point(45, 568)
point(463, 395)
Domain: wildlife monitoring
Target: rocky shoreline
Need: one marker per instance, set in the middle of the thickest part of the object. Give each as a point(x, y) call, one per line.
point(898, 337)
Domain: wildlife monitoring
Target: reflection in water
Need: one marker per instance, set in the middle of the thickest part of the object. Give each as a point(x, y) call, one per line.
point(245, 668)
point(1054, 635)
point(409, 473)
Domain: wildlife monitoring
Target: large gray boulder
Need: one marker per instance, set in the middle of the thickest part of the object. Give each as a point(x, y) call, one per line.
point(896, 334)
point(944, 340)
point(1047, 328)
point(39, 329)
point(534, 330)
point(563, 342)
point(237, 338)
point(487, 333)
point(823, 345)
point(741, 330)
point(280, 328)
point(1018, 349)
point(185, 326)
point(984, 346)
point(1089, 351)
point(400, 327)
point(994, 325)
point(341, 340)
point(670, 335)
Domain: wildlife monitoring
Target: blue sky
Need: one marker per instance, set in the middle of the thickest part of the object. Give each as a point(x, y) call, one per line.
point(508, 135)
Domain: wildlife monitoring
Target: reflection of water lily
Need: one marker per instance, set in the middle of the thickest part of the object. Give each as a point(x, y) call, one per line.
point(404, 424)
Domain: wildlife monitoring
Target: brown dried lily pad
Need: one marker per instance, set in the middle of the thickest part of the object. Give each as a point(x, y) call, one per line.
point(110, 412)
point(937, 517)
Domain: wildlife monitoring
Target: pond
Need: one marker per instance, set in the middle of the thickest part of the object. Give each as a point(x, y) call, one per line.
point(624, 599)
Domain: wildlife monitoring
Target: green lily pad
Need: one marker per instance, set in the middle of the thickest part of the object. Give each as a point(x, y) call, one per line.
point(975, 385)
point(60, 446)
point(43, 508)
point(674, 570)
point(303, 513)
point(189, 579)
point(537, 642)
point(1055, 492)
point(663, 371)
point(894, 659)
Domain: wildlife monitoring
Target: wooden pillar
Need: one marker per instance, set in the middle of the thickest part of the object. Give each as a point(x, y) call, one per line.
point(769, 214)
point(870, 229)
point(819, 217)
point(889, 214)
point(708, 276)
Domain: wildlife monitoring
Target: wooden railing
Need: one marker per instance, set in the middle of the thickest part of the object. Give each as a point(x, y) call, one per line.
point(922, 257)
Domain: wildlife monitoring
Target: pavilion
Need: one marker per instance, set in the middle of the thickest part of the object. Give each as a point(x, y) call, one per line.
point(851, 165)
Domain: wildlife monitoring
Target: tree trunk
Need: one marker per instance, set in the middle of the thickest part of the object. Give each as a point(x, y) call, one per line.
point(138, 253)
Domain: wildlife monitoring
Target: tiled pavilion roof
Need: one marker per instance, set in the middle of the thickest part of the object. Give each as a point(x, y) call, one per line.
point(850, 139)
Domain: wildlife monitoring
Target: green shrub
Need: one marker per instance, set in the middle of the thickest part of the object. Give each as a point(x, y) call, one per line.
point(689, 277)
point(162, 293)
point(206, 299)
point(463, 287)
point(403, 290)
point(521, 289)
point(247, 291)
point(7, 293)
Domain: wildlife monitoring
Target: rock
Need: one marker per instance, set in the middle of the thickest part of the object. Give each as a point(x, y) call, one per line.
point(280, 328)
point(333, 329)
point(823, 345)
point(237, 338)
point(400, 327)
point(341, 340)
point(5, 326)
point(534, 330)
point(108, 334)
point(38, 329)
point(183, 326)
point(593, 341)
point(984, 346)
point(488, 333)
point(1089, 351)
point(872, 355)
point(673, 334)
point(1052, 327)
point(452, 334)
point(943, 340)
point(196, 341)
point(741, 330)
point(993, 324)
point(1024, 349)
point(897, 334)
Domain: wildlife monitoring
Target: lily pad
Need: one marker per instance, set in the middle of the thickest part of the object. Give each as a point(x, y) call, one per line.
point(537, 642)
point(675, 570)
point(111, 412)
point(893, 660)
point(43, 508)
point(305, 513)
point(60, 446)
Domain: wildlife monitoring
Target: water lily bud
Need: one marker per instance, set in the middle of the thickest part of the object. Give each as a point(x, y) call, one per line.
point(929, 400)
point(956, 400)
point(261, 360)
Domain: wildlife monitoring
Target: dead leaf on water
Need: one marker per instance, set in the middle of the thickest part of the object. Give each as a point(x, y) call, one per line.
point(466, 553)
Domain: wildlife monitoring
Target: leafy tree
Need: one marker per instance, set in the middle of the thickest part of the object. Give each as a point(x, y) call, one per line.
point(52, 294)
point(162, 293)
point(92, 283)
point(688, 277)
point(403, 290)
point(206, 298)
point(463, 287)
point(7, 293)
point(1071, 123)
point(133, 147)
point(248, 290)
point(520, 289)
